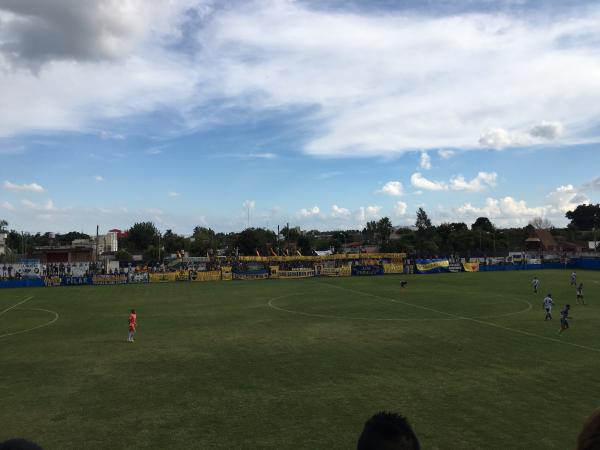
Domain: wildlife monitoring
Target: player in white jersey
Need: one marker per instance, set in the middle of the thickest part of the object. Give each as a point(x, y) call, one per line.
point(536, 284)
point(548, 303)
point(573, 279)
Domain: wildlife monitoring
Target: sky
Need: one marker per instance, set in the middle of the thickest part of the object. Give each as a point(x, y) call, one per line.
point(321, 114)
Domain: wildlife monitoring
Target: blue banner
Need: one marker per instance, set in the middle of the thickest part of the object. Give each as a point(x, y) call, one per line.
point(26, 282)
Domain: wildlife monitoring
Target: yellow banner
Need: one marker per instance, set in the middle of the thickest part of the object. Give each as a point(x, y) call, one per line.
point(471, 267)
point(163, 277)
point(226, 273)
point(393, 268)
point(396, 257)
point(432, 265)
point(213, 275)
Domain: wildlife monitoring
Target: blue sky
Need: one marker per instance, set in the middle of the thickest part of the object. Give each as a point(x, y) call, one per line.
point(320, 114)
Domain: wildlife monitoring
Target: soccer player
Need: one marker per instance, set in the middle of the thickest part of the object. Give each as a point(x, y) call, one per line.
point(564, 319)
point(573, 279)
point(536, 284)
point(580, 294)
point(132, 325)
point(548, 303)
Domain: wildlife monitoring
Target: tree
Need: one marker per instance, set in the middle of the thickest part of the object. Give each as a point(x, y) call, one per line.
point(384, 230)
point(3, 225)
point(540, 223)
point(204, 241)
point(252, 239)
point(584, 217)
point(304, 244)
point(483, 224)
point(123, 256)
point(423, 222)
point(142, 235)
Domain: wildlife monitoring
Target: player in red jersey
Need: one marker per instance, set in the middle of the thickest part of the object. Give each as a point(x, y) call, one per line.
point(132, 325)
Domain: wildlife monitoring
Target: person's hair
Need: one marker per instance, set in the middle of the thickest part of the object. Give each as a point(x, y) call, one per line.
point(19, 444)
point(567, 305)
point(133, 311)
point(589, 436)
point(387, 431)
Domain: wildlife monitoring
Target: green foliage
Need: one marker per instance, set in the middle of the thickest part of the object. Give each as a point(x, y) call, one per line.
point(423, 222)
point(584, 217)
point(123, 256)
point(142, 235)
point(483, 224)
point(252, 239)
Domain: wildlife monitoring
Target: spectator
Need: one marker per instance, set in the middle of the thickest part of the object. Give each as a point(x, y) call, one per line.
point(19, 444)
point(589, 437)
point(387, 431)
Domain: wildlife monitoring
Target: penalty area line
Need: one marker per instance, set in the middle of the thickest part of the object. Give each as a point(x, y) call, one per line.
point(15, 305)
point(482, 322)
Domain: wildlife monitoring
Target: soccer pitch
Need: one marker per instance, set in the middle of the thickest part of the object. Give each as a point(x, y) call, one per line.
point(300, 364)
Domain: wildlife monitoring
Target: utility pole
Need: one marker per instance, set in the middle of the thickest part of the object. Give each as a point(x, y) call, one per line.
point(159, 247)
point(97, 242)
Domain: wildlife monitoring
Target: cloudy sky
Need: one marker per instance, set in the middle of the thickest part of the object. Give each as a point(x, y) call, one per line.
point(321, 114)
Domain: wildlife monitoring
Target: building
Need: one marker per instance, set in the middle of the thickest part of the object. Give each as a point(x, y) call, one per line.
point(542, 241)
point(75, 253)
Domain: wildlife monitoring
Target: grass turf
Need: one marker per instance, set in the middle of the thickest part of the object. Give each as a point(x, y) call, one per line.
point(214, 366)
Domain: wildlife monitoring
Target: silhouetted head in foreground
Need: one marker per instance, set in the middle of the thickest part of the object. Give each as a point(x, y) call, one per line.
point(19, 444)
point(387, 431)
point(589, 437)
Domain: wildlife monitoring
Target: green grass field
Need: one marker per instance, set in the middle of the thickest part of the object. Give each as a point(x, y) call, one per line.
point(300, 364)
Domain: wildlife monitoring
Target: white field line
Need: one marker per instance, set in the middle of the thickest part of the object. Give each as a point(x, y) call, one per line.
point(56, 317)
point(15, 305)
point(272, 304)
point(514, 330)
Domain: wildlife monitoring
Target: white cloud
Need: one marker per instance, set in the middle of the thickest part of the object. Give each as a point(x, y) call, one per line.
point(98, 178)
point(425, 161)
point(393, 188)
point(7, 205)
point(364, 214)
point(174, 194)
point(314, 211)
point(32, 187)
point(446, 154)
point(262, 155)
point(508, 211)
point(565, 198)
point(48, 206)
point(592, 185)
point(154, 151)
point(339, 212)
point(420, 182)
point(499, 138)
point(249, 204)
point(547, 130)
point(400, 208)
point(481, 182)
point(468, 73)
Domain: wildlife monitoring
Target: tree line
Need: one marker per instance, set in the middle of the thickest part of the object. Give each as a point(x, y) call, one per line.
point(423, 239)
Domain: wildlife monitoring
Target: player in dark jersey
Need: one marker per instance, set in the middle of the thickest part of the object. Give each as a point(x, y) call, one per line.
point(580, 294)
point(564, 319)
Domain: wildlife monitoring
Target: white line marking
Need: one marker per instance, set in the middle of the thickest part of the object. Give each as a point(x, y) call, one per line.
point(272, 304)
point(527, 333)
point(15, 305)
point(56, 317)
